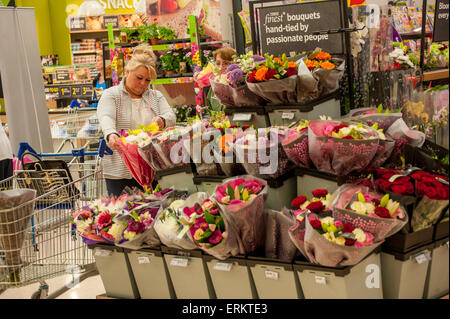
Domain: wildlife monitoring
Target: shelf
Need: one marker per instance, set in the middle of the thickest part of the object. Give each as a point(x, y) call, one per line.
point(84, 52)
point(91, 31)
point(174, 80)
point(435, 75)
point(415, 36)
point(159, 47)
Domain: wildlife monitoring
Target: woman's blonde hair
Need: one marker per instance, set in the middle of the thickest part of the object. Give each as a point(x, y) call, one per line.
point(226, 53)
point(143, 55)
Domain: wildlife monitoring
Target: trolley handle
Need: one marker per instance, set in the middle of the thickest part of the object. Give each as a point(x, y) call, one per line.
point(76, 152)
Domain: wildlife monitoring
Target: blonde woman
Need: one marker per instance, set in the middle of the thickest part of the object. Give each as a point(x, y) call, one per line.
point(126, 105)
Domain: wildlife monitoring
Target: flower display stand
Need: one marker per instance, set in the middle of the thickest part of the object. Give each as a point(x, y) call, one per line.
point(247, 115)
point(151, 274)
point(362, 281)
point(404, 274)
point(274, 279)
point(180, 178)
point(189, 273)
point(441, 230)
point(115, 271)
point(311, 179)
point(436, 284)
point(281, 192)
point(208, 184)
point(284, 115)
point(231, 278)
point(404, 241)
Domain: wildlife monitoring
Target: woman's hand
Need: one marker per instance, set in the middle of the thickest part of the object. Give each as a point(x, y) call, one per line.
point(113, 141)
point(158, 120)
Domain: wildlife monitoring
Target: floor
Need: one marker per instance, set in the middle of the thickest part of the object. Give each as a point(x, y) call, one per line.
point(89, 288)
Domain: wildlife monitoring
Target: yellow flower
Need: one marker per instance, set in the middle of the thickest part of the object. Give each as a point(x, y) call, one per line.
point(424, 117)
point(340, 241)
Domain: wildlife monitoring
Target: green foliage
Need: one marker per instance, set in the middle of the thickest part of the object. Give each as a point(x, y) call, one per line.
point(166, 33)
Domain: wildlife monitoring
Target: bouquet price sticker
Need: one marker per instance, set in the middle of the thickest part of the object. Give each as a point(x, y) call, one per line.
point(103, 252)
point(320, 280)
point(179, 262)
point(422, 257)
point(242, 117)
point(221, 266)
point(271, 274)
point(287, 116)
point(143, 260)
point(289, 28)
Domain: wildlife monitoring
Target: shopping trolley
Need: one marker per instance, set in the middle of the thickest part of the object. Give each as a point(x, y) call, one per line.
point(37, 241)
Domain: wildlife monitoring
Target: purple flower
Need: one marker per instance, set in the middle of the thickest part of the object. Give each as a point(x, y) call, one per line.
point(232, 67)
point(258, 58)
point(136, 227)
point(236, 76)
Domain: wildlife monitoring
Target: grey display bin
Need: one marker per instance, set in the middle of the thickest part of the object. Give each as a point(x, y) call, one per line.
point(361, 281)
point(151, 274)
point(274, 279)
point(208, 184)
point(284, 115)
point(281, 191)
point(189, 273)
point(404, 274)
point(436, 284)
point(115, 271)
point(249, 115)
point(231, 278)
point(181, 178)
point(312, 179)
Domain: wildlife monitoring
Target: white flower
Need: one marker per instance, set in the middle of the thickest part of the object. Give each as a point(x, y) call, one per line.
point(327, 220)
point(327, 201)
point(325, 118)
point(359, 234)
point(116, 231)
point(358, 207)
point(392, 206)
point(83, 224)
point(370, 208)
point(177, 204)
point(304, 205)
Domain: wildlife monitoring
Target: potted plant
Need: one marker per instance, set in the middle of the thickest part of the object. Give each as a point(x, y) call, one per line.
point(153, 31)
point(129, 35)
point(168, 62)
point(165, 33)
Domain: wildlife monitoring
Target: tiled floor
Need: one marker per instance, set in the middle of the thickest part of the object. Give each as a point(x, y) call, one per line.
point(89, 288)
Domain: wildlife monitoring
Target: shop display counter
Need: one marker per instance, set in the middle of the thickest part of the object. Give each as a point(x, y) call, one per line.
point(180, 178)
point(404, 274)
point(403, 241)
point(284, 115)
point(248, 115)
point(436, 284)
point(151, 274)
point(362, 281)
point(231, 278)
point(115, 271)
point(189, 273)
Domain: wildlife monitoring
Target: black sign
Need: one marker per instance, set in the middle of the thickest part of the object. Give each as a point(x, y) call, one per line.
point(77, 23)
point(440, 32)
point(114, 20)
point(290, 28)
point(62, 75)
point(71, 91)
point(65, 92)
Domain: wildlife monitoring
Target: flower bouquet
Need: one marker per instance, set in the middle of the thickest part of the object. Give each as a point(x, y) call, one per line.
point(224, 154)
point(370, 211)
point(241, 202)
point(16, 209)
point(385, 148)
point(261, 152)
point(296, 145)
point(400, 131)
point(230, 88)
point(331, 242)
point(211, 231)
point(275, 80)
point(434, 193)
point(129, 152)
point(326, 70)
point(371, 115)
point(320, 202)
point(340, 148)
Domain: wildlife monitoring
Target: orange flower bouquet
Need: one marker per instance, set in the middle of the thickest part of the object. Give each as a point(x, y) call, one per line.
point(275, 80)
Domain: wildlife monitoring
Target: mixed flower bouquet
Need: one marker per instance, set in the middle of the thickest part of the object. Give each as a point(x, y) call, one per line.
point(241, 202)
point(230, 87)
point(342, 147)
point(296, 144)
point(371, 115)
point(275, 80)
point(129, 152)
point(252, 148)
point(211, 231)
point(373, 212)
point(224, 151)
point(320, 202)
point(331, 242)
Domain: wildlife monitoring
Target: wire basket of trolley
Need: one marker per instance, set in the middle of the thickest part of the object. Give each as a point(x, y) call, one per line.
point(37, 241)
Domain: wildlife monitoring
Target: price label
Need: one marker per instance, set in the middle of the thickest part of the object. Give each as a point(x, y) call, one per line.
point(143, 260)
point(443, 181)
point(53, 90)
point(223, 266)
point(242, 117)
point(394, 177)
point(86, 91)
point(320, 280)
point(179, 262)
point(103, 252)
point(271, 275)
point(76, 90)
point(287, 116)
point(423, 257)
point(65, 92)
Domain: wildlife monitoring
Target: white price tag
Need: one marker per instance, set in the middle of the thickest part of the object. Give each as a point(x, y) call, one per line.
point(446, 244)
point(321, 280)
point(271, 275)
point(242, 117)
point(103, 252)
point(223, 266)
point(394, 177)
point(423, 257)
point(179, 262)
point(143, 260)
point(287, 116)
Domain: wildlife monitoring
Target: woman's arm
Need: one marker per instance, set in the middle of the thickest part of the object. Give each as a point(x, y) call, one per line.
point(106, 113)
point(165, 111)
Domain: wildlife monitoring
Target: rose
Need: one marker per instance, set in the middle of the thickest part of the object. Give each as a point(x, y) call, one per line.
point(338, 127)
point(383, 184)
point(431, 192)
point(328, 129)
point(298, 201)
point(402, 189)
point(316, 224)
point(347, 228)
point(319, 193)
point(291, 71)
point(443, 193)
point(316, 207)
point(251, 77)
point(270, 74)
point(349, 242)
point(382, 212)
point(418, 175)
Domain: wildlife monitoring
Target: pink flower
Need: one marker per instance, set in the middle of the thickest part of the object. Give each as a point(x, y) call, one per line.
point(216, 237)
point(148, 222)
point(338, 224)
point(328, 129)
point(235, 201)
point(104, 219)
point(368, 198)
